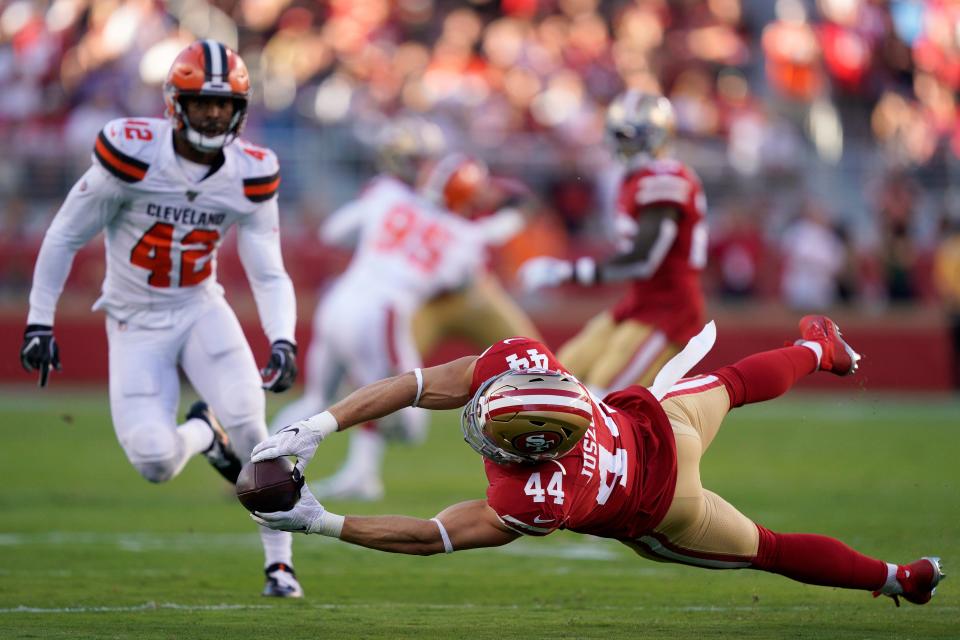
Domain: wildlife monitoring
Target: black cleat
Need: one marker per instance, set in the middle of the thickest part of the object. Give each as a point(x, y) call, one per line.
point(281, 582)
point(219, 454)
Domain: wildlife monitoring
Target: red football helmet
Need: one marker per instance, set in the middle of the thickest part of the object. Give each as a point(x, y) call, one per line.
point(527, 416)
point(207, 68)
point(454, 182)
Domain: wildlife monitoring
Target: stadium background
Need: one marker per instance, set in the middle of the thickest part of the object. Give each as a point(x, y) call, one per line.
point(826, 135)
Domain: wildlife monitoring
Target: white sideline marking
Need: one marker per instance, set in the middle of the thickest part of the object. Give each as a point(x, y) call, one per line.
point(138, 542)
point(154, 606)
point(146, 606)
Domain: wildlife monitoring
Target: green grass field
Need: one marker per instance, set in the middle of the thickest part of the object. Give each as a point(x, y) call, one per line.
point(90, 550)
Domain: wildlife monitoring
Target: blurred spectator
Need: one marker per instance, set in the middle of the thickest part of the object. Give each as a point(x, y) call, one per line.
point(947, 279)
point(814, 258)
point(523, 84)
point(793, 54)
point(736, 254)
point(896, 207)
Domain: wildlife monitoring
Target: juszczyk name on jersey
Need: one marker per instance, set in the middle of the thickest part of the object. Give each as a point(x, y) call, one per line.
point(184, 215)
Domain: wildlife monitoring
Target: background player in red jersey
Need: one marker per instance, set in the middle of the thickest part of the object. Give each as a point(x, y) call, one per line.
point(625, 467)
point(662, 231)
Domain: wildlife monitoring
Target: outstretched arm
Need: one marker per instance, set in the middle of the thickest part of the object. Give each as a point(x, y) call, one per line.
point(466, 525)
point(446, 386)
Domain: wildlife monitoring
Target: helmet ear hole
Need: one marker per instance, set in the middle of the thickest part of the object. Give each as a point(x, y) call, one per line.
point(567, 432)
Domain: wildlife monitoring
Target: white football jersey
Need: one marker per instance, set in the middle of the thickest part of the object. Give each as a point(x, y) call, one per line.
point(407, 250)
point(162, 229)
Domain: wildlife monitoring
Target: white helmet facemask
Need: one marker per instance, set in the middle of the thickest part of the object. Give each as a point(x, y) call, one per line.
point(205, 143)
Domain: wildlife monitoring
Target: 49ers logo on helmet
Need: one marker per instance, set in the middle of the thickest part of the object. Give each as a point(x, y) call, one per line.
point(537, 441)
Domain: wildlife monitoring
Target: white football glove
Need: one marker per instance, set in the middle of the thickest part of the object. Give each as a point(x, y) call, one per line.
point(303, 518)
point(298, 439)
point(544, 271)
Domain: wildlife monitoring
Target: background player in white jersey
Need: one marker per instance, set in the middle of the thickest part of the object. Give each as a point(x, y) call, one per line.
point(409, 251)
point(480, 311)
point(165, 192)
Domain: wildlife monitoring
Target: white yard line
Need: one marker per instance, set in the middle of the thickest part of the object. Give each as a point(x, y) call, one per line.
point(155, 606)
point(147, 606)
point(139, 542)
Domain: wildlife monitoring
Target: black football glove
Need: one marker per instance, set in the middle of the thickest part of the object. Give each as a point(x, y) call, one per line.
point(40, 351)
point(281, 371)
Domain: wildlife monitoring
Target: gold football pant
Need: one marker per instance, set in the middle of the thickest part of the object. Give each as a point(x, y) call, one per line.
point(607, 356)
point(700, 528)
point(483, 313)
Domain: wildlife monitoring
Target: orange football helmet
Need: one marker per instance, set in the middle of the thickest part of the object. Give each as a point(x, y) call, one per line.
point(527, 416)
point(454, 182)
point(207, 68)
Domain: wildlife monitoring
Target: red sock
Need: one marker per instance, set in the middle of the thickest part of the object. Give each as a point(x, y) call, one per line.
point(815, 559)
point(766, 375)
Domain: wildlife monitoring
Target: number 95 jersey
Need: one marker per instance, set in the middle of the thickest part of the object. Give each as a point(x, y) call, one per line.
point(618, 482)
point(163, 226)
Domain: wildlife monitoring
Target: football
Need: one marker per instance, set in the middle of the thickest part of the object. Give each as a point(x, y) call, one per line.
point(269, 485)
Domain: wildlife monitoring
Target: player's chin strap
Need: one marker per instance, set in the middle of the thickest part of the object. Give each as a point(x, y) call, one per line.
point(678, 366)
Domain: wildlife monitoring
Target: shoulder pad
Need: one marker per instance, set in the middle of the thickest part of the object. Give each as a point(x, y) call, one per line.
point(665, 165)
point(260, 170)
point(660, 183)
point(126, 146)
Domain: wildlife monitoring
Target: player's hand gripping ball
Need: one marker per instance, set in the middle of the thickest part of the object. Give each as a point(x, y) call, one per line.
point(269, 485)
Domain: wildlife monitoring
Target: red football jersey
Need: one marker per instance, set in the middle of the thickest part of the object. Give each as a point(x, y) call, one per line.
point(671, 298)
point(617, 482)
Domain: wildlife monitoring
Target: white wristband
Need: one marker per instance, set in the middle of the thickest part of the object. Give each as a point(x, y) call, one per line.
point(323, 424)
point(419, 375)
point(585, 271)
point(447, 545)
point(328, 524)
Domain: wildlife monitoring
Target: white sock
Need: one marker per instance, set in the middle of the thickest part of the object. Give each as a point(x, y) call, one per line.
point(365, 453)
point(277, 547)
point(892, 586)
point(816, 347)
point(197, 436)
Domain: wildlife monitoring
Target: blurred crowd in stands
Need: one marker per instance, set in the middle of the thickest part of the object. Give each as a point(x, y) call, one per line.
point(825, 131)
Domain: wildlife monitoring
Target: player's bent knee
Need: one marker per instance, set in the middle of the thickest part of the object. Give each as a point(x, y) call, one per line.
point(158, 471)
point(154, 452)
point(241, 403)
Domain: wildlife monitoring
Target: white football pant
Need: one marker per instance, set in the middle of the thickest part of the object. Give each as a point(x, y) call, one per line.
point(357, 341)
point(206, 341)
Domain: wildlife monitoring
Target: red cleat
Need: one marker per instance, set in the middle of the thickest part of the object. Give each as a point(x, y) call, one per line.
point(917, 581)
point(838, 357)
